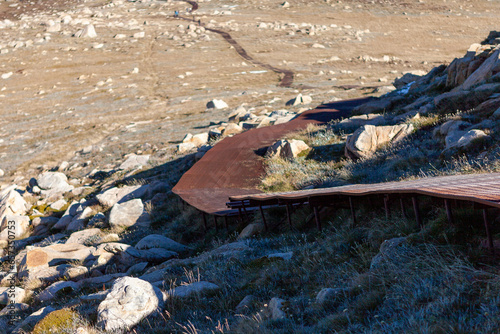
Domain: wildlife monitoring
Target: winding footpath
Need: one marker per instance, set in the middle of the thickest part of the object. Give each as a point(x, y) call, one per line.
point(286, 80)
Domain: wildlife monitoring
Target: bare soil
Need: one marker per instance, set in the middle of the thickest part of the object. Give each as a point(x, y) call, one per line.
point(67, 93)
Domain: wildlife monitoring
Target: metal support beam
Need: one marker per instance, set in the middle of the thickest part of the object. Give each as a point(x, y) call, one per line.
point(449, 214)
point(288, 214)
point(403, 210)
point(317, 218)
point(386, 206)
point(353, 213)
point(417, 211)
point(263, 217)
point(205, 221)
point(488, 232)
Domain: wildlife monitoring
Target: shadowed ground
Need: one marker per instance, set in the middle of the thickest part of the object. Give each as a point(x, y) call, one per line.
point(233, 167)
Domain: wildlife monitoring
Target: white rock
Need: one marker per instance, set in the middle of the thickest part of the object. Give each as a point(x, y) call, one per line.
point(128, 214)
point(9, 295)
point(51, 291)
point(185, 147)
point(11, 203)
point(129, 301)
point(139, 34)
point(87, 32)
point(217, 104)
point(58, 205)
point(117, 195)
point(7, 75)
point(17, 226)
point(195, 288)
point(134, 161)
point(160, 241)
point(120, 36)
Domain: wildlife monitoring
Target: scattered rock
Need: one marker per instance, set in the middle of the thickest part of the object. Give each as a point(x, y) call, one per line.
point(119, 195)
point(160, 241)
point(32, 319)
point(276, 306)
point(134, 161)
point(88, 236)
point(217, 104)
point(299, 99)
point(367, 139)
point(463, 139)
point(250, 230)
point(18, 225)
point(11, 203)
point(287, 149)
point(195, 288)
point(9, 296)
point(388, 249)
point(245, 305)
point(129, 301)
point(59, 287)
point(327, 296)
point(87, 32)
point(281, 256)
point(128, 214)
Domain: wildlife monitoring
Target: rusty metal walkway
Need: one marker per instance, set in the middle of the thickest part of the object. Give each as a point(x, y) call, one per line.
point(479, 188)
point(235, 165)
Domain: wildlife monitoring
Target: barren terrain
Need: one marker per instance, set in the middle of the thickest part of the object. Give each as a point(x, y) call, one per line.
point(92, 100)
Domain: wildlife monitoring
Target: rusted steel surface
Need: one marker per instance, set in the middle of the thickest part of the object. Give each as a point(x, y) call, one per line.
point(479, 188)
point(234, 167)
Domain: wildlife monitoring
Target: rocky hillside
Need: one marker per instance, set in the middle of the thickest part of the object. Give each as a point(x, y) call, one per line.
point(117, 252)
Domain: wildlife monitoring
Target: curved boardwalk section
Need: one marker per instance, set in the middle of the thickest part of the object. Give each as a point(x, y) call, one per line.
point(233, 167)
point(286, 80)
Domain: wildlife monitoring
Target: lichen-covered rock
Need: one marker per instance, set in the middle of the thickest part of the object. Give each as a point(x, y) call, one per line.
point(367, 139)
point(129, 301)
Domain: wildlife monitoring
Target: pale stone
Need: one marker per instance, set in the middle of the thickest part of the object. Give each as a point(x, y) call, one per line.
point(276, 306)
point(283, 256)
point(160, 241)
point(118, 195)
point(195, 288)
point(128, 214)
point(129, 301)
point(51, 291)
point(12, 203)
point(369, 138)
point(185, 147)
point(14, 227)
point(463, 139)
point(134, 161)
point(251, 230)
point(8, 295)
point(232, 129)
point(217, 104)
point(91, 235)
point(87, 32)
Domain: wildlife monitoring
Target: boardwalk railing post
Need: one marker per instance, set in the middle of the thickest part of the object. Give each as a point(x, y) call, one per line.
point(215, 223)
point(449, 214)
point(403, 210)
point(386, 206)
point(288, 214)
point(204, 221)
point(353, 214)
point(417, 211)
point(488, 232)
point(225, 222)
point(317, 218)
point(263, 217)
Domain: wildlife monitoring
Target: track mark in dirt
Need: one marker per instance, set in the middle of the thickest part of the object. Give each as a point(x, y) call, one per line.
point(288, 76)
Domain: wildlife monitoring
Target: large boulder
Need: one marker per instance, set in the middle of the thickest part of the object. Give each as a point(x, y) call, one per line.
point(11, 202)
point(160, 241)
point(118, 195)
point(488, 68)
point(128, 214)
point(463, 139)
point(32, 319)
point(129, 301)
point(365, 141)
point(287, 149)
point(14, 226)
point(217, 104)
point(464, 100)
point(53, 184)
